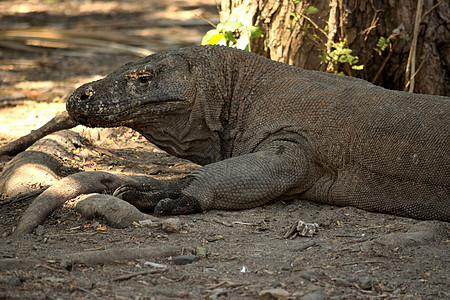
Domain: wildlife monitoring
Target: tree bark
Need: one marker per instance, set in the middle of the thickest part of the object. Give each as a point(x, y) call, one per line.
point(361, 23)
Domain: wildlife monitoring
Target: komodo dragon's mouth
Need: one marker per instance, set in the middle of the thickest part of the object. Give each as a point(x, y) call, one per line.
point(87, 110)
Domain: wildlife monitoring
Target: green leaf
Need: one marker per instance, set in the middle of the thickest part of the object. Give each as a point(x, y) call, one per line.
point(229, 36)
point(208, 35)
point(346, 51)
point(381, 42)
point(255, 32)
point(216, 38)
point(231, 26)
point(358, 67)
point(334, 55)
point(312, 10)
point(343, 59)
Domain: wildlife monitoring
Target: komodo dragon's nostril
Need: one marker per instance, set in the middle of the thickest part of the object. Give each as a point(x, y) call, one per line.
point(86, 95)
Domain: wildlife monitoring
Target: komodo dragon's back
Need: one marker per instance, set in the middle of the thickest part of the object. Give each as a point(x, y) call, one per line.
point(270, 130)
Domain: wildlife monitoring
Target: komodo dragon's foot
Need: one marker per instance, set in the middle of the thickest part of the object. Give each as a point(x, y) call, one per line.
point(178, 206)
point(166, 201)
point(144, 199)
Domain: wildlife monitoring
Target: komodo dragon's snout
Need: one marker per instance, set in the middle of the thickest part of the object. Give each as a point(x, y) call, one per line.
point(135, 94)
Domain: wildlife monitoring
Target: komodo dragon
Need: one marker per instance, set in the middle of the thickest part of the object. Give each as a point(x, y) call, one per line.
point(263, 129)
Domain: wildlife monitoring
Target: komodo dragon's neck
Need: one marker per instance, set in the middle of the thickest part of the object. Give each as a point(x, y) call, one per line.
point(206, 132)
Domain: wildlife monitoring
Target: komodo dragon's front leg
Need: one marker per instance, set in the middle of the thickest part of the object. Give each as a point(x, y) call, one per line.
point(240, 182)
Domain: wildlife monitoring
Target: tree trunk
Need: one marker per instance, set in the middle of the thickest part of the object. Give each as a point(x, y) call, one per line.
point(360, 24)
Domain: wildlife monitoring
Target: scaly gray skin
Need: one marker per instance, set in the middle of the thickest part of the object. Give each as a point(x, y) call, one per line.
point(263, 129)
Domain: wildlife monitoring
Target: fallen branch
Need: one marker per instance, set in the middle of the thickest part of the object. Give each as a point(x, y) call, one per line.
point(16, 263)
point(129, 276)
point(117, 255)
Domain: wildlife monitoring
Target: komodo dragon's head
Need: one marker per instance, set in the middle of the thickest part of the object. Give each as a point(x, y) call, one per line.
point(136, 94)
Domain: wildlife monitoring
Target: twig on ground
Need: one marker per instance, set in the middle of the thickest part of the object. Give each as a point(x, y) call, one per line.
point(22, 197)
point(146, 272)
point(118, 255)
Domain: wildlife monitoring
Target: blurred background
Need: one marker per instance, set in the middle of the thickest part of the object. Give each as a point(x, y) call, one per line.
point(49, 47)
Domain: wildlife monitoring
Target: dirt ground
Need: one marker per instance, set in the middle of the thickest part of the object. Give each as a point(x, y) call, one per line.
point(242, 254)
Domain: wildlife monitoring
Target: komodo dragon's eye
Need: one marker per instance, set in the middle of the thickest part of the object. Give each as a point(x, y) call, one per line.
point(144, 79)
point(141, 77)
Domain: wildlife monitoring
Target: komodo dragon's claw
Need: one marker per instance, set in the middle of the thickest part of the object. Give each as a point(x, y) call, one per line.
point(181, 205)
point(143, 200)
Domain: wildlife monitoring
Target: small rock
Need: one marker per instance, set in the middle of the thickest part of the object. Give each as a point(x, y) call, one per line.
point(305, 246)
point(309, 275)
point(343, 282)
point(155, 265)
point(317, 295)
point(8, 280)
point(172, 225)
point(313, 293)
point(365, 283)
point(273, 294)
point(217, 293)
point(422, 233)
point(184, 259)
point(40, 230)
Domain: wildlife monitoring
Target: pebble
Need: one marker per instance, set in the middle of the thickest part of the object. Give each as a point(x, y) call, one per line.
point(309, 275)
point(343, 282)
point(184, 259)
point(155, 265)
point(40, 230)
point(365, 283)
point(273, 294)
point(317, 295)
point(8, 280)
point(305, 246)
point(171, 225)
point(311, 293)
point(286, 268)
